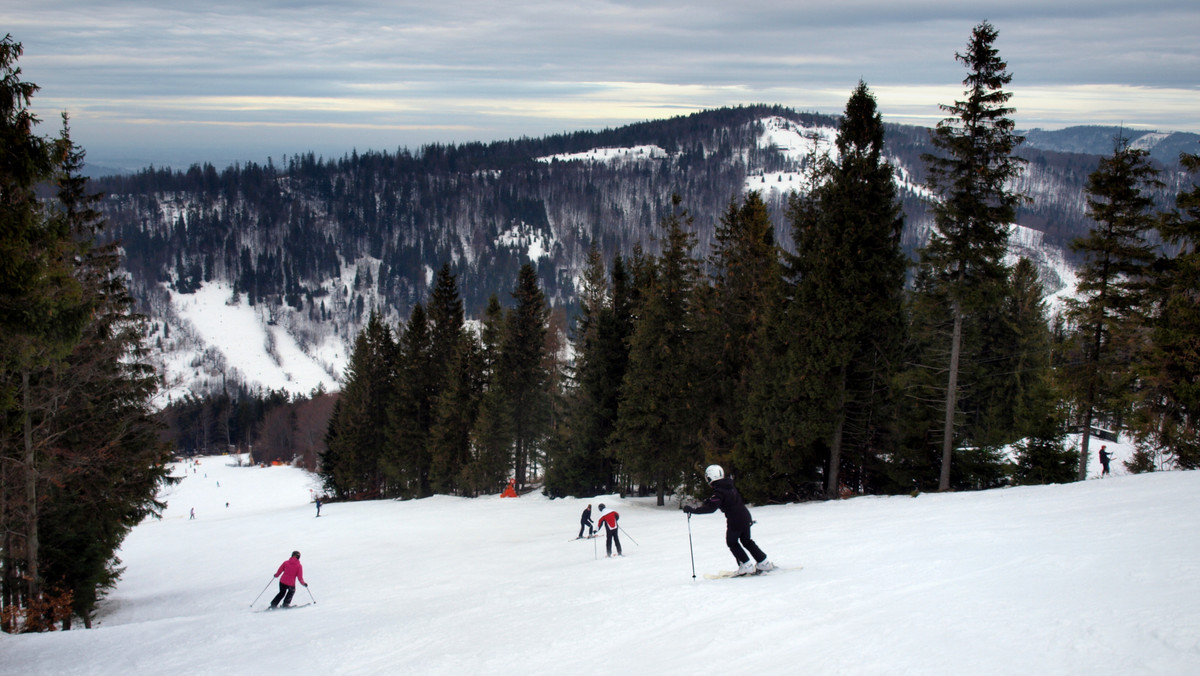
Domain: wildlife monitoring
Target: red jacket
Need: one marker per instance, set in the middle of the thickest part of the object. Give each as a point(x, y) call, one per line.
point(609, 519)
point(291, 569)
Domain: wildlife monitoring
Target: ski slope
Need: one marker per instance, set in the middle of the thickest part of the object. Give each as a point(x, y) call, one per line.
point(1099, 577)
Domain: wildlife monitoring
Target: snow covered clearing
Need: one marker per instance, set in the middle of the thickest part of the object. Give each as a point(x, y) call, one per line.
point(1099, 577)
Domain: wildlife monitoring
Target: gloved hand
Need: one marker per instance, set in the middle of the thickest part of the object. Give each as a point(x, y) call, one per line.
point(688, 509)
point(304, 583)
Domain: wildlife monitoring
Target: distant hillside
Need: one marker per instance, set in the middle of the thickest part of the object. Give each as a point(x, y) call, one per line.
point(1164, 147)
point(309, 246)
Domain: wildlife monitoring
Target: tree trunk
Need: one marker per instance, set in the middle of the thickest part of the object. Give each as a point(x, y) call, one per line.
point(833, 490)
point(31, 520)
point(951, 400)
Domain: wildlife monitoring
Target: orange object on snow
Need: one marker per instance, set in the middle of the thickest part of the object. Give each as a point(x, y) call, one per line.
point(511, 491)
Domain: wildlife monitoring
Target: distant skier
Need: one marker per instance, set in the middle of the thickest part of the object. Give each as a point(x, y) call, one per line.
point(609, 521)
point(737, 521)
point(290, 570)
point(193, 513)
point(1105, 458)
point(318, 506)
point(585, 521)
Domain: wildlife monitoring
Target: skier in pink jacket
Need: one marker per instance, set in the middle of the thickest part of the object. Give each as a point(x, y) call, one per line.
point(289, 571)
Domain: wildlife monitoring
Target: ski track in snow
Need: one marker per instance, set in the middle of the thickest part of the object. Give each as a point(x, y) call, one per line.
point(1098, 577)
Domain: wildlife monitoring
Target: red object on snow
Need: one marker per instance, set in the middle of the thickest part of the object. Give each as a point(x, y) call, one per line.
point(511, 491)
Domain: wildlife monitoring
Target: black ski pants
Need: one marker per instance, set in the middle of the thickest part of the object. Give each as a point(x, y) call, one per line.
point(286, 591)
point(736, 537)
point(588, 525)
point(612, 537)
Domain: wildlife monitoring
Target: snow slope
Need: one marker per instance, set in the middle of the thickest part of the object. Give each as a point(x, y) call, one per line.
point(1099, 577)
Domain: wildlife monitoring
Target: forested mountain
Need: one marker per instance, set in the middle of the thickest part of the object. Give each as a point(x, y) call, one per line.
point(301, 250)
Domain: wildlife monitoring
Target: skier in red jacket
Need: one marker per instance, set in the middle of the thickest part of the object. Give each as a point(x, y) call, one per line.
point(289, 571)
point(609, 521)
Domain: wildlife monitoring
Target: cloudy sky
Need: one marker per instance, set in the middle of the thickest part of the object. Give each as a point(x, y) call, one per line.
point(174, 82)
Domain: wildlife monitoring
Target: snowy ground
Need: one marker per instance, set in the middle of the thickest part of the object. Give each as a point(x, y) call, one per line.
point(1100, 577)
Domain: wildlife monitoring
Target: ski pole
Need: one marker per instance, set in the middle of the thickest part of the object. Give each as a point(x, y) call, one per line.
point(622, 529)
point(691, 552)
point(261, 592)
point(314, 600)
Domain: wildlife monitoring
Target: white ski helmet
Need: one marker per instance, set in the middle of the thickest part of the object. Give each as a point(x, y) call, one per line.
point(714, 472)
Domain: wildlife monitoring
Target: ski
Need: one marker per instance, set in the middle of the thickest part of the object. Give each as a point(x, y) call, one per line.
point(292, 607)
point(733, 573)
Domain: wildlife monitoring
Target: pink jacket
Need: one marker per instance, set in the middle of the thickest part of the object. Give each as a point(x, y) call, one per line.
point(291, 569)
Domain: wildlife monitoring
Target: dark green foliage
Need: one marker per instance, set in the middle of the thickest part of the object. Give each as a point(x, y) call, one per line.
point(1112, 289)
point(849, 275)
point(657, 421)
point(585, 465)
point(1169, 408)
point(524, 376)
point(358, 429)
point(80, 461)
point(971, 174)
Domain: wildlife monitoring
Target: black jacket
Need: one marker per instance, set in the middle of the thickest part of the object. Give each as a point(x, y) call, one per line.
point(726, 498)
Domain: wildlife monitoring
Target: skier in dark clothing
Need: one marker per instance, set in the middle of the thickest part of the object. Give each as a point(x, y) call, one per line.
point(726, 498)
point(291, 570)
point(1105, 458)
point(585, 521)
point(609, 521)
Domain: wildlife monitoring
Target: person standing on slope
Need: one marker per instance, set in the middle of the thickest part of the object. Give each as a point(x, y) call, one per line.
point(609, 521)
point(726, 498)
point(289, 571)
point(585, 521)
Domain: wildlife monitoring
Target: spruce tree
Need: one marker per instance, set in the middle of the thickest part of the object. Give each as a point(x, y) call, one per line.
point(850, 278)
point(491, 435)
point(411, 412)
point(353, 465)
point(524, 375)
point(657, 420)
point(1111, 294)
point(745, 278)
point(1169, 414)
point(972, 177)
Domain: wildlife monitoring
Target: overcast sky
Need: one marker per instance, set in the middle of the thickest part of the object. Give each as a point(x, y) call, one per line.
point(175, 82)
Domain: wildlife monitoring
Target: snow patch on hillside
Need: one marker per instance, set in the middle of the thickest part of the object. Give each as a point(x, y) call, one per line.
point(800, 145)
point(635, 154)
point(238, 341)
point(525, 237)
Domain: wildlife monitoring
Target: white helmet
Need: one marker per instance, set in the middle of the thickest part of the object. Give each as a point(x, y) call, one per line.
point(713, 473)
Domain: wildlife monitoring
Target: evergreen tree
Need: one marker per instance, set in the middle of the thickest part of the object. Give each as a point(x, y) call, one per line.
point(491, 436)
point(411, 412)
point(524, 374)
point(1169, 416)
point(358, 429)
point(972, 178)
point(455, 414)
point(657, 420)
point(745, 278)
point(850, 279)
point(1112, 288)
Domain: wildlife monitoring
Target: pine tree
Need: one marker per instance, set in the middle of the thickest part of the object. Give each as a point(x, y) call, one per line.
point(976, 205)
point(1169, 415)
point(657, 420)
point(1113, 283)
point(850, 278)
point(491, 436)
point(524, 376)
point(745, 279)
point(358, 430)
point(411, 412)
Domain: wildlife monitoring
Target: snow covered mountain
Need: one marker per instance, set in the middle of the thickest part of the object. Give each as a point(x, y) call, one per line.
point(264, 275)
point(1094, 577)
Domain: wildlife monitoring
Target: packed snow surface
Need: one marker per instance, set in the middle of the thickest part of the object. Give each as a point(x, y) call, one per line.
point(1098, 577)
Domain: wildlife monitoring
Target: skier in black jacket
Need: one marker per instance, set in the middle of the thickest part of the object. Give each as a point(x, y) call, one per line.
point(737, 521)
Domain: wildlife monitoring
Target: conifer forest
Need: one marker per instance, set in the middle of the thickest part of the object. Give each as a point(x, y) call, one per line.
point(849, 337)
